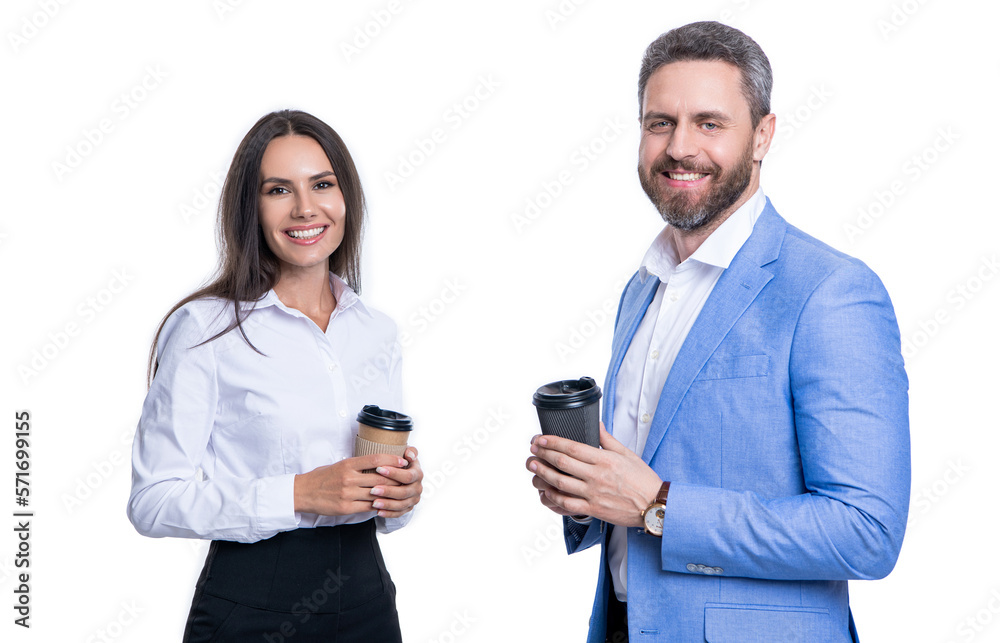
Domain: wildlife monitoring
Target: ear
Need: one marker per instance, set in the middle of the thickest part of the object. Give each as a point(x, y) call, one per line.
point(763, 136)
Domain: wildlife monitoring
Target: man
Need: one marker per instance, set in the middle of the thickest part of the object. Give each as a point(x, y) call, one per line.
point(756, 394)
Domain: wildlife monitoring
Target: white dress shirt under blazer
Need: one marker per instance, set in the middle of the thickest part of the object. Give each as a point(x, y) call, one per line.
point(684, 288)
point(224, 429)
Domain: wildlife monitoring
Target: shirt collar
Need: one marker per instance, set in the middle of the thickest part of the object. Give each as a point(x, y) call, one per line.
point(718, 249)
point(344, 294)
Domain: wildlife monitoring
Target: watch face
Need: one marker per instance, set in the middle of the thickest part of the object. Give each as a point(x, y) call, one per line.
point(654, 519)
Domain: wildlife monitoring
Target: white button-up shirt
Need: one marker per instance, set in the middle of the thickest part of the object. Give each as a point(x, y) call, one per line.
point(225, 429)
point(684, 288)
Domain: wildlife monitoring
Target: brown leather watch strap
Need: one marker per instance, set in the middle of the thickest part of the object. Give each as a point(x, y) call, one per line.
point(661, 496)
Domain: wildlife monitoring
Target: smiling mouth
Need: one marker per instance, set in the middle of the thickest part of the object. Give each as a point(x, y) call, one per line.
point(685, 176)
point(311, 233)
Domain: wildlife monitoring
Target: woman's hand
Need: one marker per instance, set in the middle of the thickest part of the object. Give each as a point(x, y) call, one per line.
point(341, 489)
point(403, 491)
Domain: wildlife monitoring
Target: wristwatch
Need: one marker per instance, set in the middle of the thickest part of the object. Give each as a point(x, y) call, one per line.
point(652, 516)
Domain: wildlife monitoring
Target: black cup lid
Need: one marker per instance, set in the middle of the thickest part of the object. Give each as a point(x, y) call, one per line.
point(371, 415)
point(567, 394)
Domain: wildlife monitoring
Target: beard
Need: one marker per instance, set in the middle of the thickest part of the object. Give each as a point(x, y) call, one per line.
point(683, 210)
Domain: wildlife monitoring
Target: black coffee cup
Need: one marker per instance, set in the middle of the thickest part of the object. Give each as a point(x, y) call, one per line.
point(570, 409)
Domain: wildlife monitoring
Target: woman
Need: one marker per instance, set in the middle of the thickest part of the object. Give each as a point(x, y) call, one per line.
point(247, 430)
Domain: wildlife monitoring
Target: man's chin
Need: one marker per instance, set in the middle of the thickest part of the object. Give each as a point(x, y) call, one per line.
point(683, 214)
point(689, 222)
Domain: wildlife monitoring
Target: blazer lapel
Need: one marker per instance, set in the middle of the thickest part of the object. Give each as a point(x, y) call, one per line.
point(738, 286)
point(634, 305)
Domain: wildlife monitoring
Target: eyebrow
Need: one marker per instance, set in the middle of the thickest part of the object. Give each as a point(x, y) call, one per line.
point(314, 177)
point(707, 115)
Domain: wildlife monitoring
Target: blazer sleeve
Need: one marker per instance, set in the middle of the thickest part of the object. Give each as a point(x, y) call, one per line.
point(849, 403)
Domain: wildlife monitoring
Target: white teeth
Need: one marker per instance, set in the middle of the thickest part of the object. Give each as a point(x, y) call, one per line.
point(689, 176)
point(306, 234)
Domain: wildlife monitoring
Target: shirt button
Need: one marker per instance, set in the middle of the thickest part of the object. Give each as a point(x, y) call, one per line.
point(332, 367)
point(655, 354)
point(343, 413)
point(645, 418)
point(674, 296)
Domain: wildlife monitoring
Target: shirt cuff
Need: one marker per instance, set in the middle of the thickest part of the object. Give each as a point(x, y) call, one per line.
point(389, 525)
point(275, 505)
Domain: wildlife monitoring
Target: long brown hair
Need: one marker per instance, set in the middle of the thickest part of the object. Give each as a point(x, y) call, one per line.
point(248, 268)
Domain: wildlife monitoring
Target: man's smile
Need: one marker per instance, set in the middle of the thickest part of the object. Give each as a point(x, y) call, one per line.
point(685, 180)
point(685, 176)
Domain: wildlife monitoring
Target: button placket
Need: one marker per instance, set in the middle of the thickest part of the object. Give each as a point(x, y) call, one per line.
point(337, 381)
point(680, 280)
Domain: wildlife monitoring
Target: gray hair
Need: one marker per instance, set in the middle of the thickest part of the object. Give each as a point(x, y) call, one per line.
point(713, 41)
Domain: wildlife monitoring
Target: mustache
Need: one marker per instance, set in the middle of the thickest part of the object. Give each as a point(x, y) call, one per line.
point(670, 165)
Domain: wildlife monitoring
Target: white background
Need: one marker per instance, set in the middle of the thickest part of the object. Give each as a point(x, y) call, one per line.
point(857, 99)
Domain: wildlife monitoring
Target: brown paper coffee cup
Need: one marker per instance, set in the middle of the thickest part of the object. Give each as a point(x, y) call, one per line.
point(383, 436)
point(381, 431)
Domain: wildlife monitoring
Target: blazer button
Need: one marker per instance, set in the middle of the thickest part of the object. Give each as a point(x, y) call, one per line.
point(692, 567)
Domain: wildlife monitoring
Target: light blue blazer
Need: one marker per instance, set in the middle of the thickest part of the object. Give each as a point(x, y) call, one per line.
point(783, 429)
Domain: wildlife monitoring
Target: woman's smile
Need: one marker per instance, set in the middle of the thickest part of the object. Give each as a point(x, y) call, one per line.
point(306, 235)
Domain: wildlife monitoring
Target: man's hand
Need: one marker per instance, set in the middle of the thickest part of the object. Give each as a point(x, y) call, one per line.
point(342, 488)
point(611, 483)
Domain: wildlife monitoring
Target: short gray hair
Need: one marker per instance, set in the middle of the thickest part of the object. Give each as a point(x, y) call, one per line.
point(713, 41)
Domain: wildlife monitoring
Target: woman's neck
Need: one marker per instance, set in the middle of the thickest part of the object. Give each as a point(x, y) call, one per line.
point(308, 291)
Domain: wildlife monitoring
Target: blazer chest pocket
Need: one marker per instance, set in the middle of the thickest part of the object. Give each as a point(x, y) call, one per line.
point(728, 367)
point(736, 623)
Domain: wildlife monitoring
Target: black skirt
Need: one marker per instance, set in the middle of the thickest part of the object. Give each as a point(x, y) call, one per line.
point(323, 584)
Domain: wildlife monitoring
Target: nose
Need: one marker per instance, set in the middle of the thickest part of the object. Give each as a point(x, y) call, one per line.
point(681, 145)
point(305, 205)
